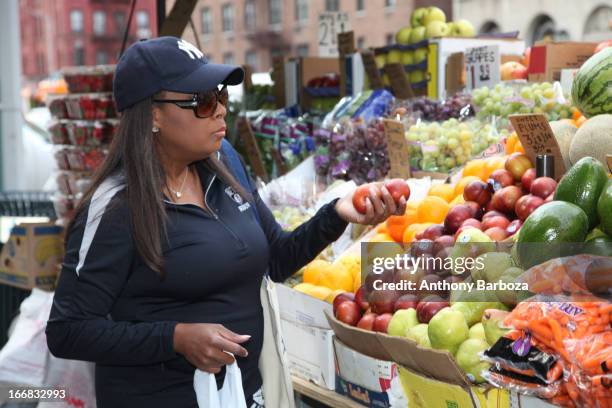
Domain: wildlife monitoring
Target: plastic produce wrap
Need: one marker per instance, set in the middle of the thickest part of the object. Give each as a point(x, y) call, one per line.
point(377, 105)
point(457, 106)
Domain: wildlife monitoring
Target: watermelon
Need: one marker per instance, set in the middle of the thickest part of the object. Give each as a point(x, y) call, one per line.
point(592, 87)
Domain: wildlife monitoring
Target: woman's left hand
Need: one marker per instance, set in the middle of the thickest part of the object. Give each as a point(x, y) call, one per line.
point(378, 208)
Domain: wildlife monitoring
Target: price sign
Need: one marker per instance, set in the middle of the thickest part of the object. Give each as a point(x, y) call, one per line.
point(537, 137)
point(346, 43)
point(371, 69)
point(330, 25)
point(399, 83)
point(248, 138)
point(482, 66)
point(397, 148)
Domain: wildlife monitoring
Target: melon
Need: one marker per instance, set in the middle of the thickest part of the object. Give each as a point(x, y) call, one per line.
point(564, 132)
point(592, 86)
point(593, 138)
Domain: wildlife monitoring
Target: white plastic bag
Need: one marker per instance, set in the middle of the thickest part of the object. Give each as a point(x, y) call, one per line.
point(231, 394)
point(76, 377)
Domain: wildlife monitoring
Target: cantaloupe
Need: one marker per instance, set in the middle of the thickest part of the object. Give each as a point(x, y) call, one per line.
point(564, 133)
point(593, 138)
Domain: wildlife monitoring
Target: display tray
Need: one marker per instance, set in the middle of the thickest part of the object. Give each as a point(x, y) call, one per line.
point(327, 397)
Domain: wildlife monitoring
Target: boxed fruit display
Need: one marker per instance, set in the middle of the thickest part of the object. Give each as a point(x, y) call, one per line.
point(97, 78)
point(548, 59)
point(90, 106)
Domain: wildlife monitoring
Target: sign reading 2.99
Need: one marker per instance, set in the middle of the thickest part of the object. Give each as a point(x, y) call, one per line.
point(330, 25)
point(482, 66)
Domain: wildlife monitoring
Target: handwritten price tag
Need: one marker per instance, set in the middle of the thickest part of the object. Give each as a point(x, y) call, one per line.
point(397, 148)
point(400, 85)
point(482, 65)
point(538, 138)
point(371, 69)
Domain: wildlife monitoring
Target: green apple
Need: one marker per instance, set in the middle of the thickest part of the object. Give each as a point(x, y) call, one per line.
point(401, 321)
point(493, 323)
point(494, 265)
point(419, 334)
point(420, 55)
point(417, 35)
point(470, 243)
point(434, 14)
point(468, 358)
point(513, 271)
point(407, 58)
point(463, 28)
point(447, 330)
point(437, 29)
point(451, 28)
point(381, 60)
point(473, 310)
point(477, 332)
point(394, 56)
point(416, 19)
point(403, 35)
point(416, 76)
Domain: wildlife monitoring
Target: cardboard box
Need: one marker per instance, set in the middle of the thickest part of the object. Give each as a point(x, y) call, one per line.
point(313, 67)
point(310, 352)
point(298, 307)
point(30, 257)
point(548, 59)
point(362, 378)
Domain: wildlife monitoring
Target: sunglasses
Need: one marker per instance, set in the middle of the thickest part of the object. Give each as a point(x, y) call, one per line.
point(203, 104)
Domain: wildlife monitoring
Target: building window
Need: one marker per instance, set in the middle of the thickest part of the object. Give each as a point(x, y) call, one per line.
point(274, 10)
point(101, 57)
point(76, 21)
point(79, 56)
point(143, 24)
point(275, 52)
point(301, 10)
point(207, 21)
point(302, 50)
point(228, 58)
point(99, 22)
point(389, 3)
point(360, 5)
point(228, 18)
point(250, 59)
point(361, 43)
point(389, 39)
point(332, 5)
point(120, 21)
point(250, 19)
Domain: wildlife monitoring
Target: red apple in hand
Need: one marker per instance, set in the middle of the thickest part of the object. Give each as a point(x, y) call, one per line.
point(398, 188)
point(478, 192)
point(543, 187)
point(526, 205)
point(359, 197)
point(500, 178)
point(367, 321)
point(406, 302)
point(528, 178)
point(381, 322)
point(348, 312)
point(361, 298)
point(342, 297)
point(505, 199)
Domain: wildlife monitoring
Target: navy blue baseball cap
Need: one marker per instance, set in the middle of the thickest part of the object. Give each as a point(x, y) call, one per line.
point(169, 64)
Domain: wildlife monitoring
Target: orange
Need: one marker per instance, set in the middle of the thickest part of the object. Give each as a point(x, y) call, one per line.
point(444, 191)
point(319, 292)
point(414, 229)
point(411, 211)
point(493, 164)
point(396, 224)
point(432, 209)
point(381, 228)
point(337, 276)
point(580, 121)
point(314, 271)
point(352, 262)
point(511, 143)
point(381, 238)
point(519, 147)
point(460, 186)
point(458, 200)
point(475, 167)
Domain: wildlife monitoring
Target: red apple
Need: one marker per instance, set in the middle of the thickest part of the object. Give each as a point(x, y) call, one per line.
point(490, 214)
point(528, 178)
point(497, 221)
point(342, 297)
point(500, 178)
point(367, 321)
point(398, 188)
point(433, 232)
point(348, 312)
point(359, 197)
point(488, 207)
point(361, 297)
point(429, 306)
point(517, 164)
point(475, 208)
point(472, 222)
point(406, 302)
point(543, 187)
point(497, 234)
point(526, 205)
point(505, 199)
point(442, 242)
point(514, 227)
point(382, 301)
point(431, 280)
point(456, 216)
point(478, 192)
point(421, 247)
point(381, 322)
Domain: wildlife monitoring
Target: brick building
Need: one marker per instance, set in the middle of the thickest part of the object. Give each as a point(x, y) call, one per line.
point(253, 31)
point(60, 33)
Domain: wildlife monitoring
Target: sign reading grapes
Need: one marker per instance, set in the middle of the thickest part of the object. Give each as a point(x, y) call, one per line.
point(537, 138)
point(482, 66)
point(397, 147)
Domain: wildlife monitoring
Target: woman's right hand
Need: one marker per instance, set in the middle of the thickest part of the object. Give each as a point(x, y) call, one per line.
point(206, 346)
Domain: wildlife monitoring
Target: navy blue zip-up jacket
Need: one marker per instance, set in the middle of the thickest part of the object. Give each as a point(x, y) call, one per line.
point(110, 308)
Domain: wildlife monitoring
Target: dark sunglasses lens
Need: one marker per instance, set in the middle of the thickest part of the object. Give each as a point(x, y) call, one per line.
point(223, 96)
point(206, 103)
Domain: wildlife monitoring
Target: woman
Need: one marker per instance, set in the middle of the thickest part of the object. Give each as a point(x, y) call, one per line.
point(167, 251)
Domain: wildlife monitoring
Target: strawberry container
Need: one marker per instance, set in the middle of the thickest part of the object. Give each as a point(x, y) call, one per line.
point(59, 134)
point(89, 79)
point(58, 108)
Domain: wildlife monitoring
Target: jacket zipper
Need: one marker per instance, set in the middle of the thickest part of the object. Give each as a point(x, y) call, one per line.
point(240, 241)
